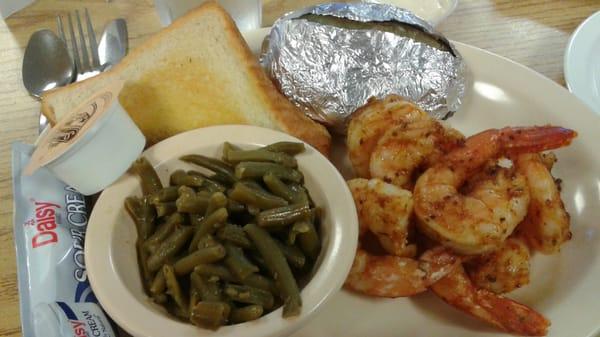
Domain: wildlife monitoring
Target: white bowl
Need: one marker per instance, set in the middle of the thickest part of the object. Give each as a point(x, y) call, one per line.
point(110, 254)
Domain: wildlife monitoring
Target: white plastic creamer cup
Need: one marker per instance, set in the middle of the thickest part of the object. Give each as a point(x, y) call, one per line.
point(92, 146)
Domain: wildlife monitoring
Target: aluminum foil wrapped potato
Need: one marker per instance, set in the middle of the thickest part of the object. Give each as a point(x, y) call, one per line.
point(330, 59)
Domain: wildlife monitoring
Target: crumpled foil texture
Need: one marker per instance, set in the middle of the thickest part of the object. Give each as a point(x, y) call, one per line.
point(329, 71)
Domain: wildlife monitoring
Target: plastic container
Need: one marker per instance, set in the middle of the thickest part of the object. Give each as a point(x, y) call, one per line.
point(92, 146)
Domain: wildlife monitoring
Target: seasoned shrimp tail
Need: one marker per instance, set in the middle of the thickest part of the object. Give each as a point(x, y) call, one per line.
point(536, 138)
point(394, 276)
point(457, 290)
point(510, 140)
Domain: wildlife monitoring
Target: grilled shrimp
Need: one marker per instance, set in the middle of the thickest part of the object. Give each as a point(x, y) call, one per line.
point(395, 276)
point(480, 220)
point(457, 290)
point(503, 270)
point(385, 210)
point(371, 121)
point(547, 225)
point(408, 149)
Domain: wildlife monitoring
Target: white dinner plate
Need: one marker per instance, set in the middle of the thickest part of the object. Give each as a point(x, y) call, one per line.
point(564, 287)
point(582, 62)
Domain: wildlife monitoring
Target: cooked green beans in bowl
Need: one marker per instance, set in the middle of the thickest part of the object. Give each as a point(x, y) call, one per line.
point(230, 241)
point(231, 201)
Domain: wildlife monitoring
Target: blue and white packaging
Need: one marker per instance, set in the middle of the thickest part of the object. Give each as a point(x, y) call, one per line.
point(50, 221)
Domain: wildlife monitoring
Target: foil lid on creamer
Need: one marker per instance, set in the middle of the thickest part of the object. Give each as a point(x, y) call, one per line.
point(72, 128)
point(330, 59)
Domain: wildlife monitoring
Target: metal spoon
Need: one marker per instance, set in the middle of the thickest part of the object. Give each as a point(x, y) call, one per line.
point(46, 63)
point(113, 43)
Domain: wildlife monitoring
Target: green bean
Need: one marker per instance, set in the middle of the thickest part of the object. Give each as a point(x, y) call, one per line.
point(293, 255)
point(283, 216)
point(223, 179)
point(290, 148)
point(194, 298)
point(173, 288)
point(163, 231)
point(238, 156)
point(237, 262)
point(208, 225)
point(227, 146)
point(186, 264)
point(212, 164)
point(210, 315)
point(297, 228)
point(279, 188)
point(224, 274)
point(158, 284)
point(186, 191)
point(209, 184)
point(195, 218)
point(211, 270)
point(209, 289)
point(169, 247)
point(234, 234)
point(207, 241)
point(213, 290)
point(254, 184)
point(258, 260)
point(165, 208)
point(142, 261)
point(159, 298)
point(253, 210)
point(235, 207)
point(277, 264)
point(249, 295)
point(300, 195)
point(216, 201)
point(180, 177)
point(246, 314)
point(247, 195)
point(260, 282)
point(256, 170)
point(143, 214)
point(167, 194)
point(309, 241)
point(149, 179)
point(188, 203)
point(175, 310)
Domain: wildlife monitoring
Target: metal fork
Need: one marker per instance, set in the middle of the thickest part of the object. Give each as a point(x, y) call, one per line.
point(82, 64)
point(85, 55)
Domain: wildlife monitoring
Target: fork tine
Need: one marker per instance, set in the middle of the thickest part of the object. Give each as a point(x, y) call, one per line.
point(74, 49)
point(61, 30)
point(92, 38)
point(85, 59)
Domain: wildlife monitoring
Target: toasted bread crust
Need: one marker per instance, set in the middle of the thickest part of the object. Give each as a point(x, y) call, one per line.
point(282, 112)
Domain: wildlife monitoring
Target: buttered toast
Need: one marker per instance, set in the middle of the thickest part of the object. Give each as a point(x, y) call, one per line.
point(195, 73)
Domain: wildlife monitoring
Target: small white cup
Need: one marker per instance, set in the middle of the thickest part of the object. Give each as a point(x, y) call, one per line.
point(103, 155)
point(246, 13)
point(92, 146)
